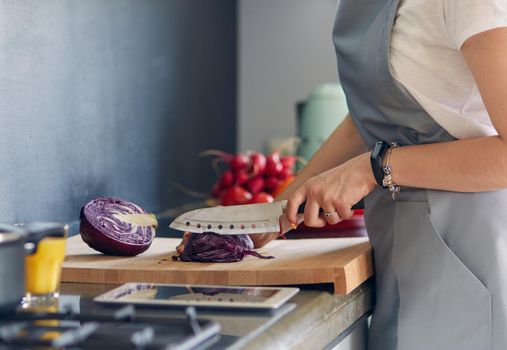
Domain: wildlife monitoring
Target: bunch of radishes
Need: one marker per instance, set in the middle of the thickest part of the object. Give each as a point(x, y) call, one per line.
point(251, 177)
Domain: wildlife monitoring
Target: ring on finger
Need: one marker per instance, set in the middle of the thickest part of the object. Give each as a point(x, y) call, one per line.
point(329, 213)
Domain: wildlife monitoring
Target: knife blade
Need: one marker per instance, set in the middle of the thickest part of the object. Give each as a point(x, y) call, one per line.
point(236, 219)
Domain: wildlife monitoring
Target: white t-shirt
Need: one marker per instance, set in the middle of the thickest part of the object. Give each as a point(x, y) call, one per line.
point(426, 59)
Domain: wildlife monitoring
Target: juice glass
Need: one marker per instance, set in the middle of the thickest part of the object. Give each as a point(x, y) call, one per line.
point(45, 252)
point(44, 267)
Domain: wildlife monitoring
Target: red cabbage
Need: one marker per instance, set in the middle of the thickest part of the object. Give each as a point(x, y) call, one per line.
point(104, 231)
point(212, 247)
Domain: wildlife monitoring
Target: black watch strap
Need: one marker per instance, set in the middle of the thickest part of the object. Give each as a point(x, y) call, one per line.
point(376, 160)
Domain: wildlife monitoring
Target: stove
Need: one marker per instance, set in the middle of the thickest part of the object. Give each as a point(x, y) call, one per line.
point(62, 327)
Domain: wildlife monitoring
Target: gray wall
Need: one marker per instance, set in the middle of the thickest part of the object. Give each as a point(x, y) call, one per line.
point(111, 98)
point(285, 50)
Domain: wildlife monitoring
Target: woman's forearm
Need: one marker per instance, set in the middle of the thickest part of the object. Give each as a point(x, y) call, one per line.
point(343, 144)
point(471, 165)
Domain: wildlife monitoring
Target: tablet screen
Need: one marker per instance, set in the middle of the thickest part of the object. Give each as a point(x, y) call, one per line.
point(198, 295)
point(191, 293)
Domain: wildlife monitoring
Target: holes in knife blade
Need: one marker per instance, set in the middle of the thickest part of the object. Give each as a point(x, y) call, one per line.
point(198, 225)
point(242, 226)
point(254, 226)
point(220, 227)
point(187, 223)
point(209, 227)
point(231, 227)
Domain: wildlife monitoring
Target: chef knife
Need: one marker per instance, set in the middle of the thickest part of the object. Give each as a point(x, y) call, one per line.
point(236, 219)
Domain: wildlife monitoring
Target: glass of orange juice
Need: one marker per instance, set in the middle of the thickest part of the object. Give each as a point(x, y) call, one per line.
point(45, 252)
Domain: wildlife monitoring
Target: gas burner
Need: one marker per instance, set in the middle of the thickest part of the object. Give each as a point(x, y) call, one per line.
point(123, 329)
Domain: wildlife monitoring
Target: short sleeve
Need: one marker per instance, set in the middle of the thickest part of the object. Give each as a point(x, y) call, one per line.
point(465, 18)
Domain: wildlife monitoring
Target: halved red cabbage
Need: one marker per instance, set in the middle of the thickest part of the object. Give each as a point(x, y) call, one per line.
point(104, 229)
point(212, 247)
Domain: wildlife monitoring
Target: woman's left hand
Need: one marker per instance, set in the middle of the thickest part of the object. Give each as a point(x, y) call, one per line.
point(335, 191)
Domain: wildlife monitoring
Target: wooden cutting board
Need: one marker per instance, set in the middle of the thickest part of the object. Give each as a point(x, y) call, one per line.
point(344, 262)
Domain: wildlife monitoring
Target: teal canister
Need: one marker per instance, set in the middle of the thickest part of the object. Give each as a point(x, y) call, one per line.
point(317, 117)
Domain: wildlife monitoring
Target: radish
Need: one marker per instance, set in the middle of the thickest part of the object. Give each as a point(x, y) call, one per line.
point(273, 164)
point(257, 163)
point(226, 179)
point(238, 162)
point(235, 195)
point(274, 169)
point(241, 177)
point(255, 184)
point(285, 173)
point(261, 197)
point(288, 161)
point(271, 183)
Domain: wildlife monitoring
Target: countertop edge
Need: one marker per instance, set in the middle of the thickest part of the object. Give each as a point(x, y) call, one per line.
point(319, 318)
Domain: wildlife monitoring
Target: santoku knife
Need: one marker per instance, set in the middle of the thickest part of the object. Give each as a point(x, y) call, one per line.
point(236, 219)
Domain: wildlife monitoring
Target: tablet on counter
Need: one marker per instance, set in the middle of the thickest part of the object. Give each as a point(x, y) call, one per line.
point(198, 295)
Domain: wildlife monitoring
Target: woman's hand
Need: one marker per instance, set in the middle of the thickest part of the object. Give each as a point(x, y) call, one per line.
point(335, 191)
point(343, 144)
point(261, 239)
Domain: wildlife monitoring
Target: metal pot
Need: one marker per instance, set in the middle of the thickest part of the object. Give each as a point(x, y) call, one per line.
point(12, 266)
point(15, 243)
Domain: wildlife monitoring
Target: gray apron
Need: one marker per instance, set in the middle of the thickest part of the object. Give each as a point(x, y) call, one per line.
point(440, 257)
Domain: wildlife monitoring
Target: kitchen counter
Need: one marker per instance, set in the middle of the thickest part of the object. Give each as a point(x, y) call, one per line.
point(314, 318)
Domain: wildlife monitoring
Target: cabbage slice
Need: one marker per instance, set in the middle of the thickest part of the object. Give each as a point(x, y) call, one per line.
point(117, 227)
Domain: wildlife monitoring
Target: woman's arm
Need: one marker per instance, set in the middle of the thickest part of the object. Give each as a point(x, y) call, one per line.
point(470, 165)
point(343, 144)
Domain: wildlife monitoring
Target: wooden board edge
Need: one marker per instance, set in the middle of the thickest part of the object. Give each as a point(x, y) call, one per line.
point(85, 275)
point(112, 276)
point(352, 275)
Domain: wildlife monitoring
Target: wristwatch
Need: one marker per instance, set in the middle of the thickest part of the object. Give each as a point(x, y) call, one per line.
point(376, 160)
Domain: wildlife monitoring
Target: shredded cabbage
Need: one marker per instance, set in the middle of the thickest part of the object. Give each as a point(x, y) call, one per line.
point(212, 247)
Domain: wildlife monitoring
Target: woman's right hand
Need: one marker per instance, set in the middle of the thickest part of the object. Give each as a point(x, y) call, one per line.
point(334, 191)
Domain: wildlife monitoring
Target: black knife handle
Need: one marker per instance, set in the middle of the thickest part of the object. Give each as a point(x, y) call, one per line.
point(358, 205)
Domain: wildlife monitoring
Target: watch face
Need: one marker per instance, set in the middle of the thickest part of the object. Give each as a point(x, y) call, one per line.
point(376, 161)
point(378, 149)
